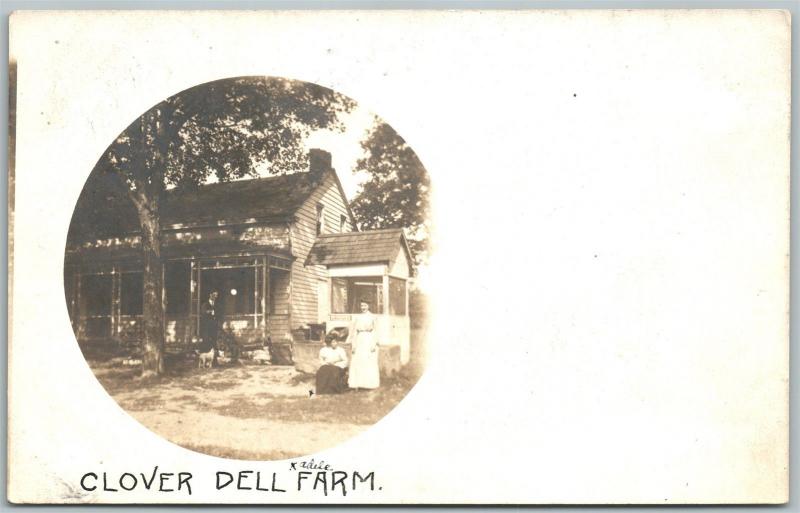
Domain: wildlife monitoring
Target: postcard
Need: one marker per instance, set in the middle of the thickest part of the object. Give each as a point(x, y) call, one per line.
point(399, 257)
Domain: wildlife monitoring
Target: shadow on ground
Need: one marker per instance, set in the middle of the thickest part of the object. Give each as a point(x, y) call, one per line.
point(248, 410)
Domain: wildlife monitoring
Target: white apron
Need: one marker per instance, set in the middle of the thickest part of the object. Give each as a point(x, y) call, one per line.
point(364, 371)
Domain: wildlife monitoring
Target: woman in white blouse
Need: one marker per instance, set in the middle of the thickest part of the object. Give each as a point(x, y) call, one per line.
point(330, 376)
point(364, 371)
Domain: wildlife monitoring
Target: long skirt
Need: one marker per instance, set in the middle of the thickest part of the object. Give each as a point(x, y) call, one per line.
point(330, 380)
point(364, 371)
point(208, 334)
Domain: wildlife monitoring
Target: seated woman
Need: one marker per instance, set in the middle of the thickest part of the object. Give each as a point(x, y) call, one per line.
point(331, 376)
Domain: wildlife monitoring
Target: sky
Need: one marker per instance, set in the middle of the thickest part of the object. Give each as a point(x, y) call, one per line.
point(345, 147)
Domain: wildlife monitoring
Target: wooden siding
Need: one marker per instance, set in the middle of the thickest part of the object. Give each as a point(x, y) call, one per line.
point(279, 292)
point(346, 271)
point(304, 232)
point(399, 265)
point(279, 289)
point(279, 328)
point(201, 245)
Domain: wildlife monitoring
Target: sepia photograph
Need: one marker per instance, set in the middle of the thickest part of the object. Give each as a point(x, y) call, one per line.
point(391, 257)
point(242, 268)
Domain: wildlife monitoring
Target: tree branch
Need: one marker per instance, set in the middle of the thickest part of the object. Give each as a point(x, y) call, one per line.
point(124, 185)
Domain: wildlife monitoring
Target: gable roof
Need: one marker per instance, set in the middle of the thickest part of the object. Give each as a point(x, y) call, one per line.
point(104, 212)
point(271, 198)
point(368, 247)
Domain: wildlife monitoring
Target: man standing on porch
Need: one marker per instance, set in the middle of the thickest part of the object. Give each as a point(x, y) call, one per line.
point(209, 324)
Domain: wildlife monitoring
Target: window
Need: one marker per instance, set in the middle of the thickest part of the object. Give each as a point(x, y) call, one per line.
point(95, 305)
point(347, 294)
point(339, 303)
point(96, 294)
point(397, 296)
point(342, 223)
point(236, 288)
point(320, 218)
point(131, 293)
point(177, 287)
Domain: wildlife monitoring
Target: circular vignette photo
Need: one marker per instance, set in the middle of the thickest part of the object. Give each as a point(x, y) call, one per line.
point(243, 268)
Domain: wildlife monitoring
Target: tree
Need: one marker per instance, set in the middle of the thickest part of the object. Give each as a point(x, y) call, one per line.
point(395, 195)
point(224, 130)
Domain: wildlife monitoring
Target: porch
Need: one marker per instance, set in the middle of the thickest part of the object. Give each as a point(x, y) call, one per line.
point(375, 267)
point(105, 300)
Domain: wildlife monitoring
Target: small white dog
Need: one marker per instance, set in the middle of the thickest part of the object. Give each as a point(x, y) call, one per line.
point(204, 360)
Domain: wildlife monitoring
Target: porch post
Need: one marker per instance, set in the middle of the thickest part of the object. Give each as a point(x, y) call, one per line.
point(71, 299)
point(116, 287)
point(76, 319)
point(385, 292)
point(264, 299)
point(163, 301)
point(194, 302)
point(385, 335)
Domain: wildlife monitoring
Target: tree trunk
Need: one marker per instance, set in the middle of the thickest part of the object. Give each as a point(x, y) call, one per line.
point(153, 310)
point(147, 196)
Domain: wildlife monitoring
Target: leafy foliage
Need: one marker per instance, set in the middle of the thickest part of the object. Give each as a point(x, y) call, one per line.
point(396, 194)
point(221, 131)
point(226, 129)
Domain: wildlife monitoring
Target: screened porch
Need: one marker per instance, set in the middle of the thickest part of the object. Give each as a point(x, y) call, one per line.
point(106, 301)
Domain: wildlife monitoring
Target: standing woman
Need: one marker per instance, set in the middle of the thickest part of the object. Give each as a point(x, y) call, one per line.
point(364, 371)
point(209, 324)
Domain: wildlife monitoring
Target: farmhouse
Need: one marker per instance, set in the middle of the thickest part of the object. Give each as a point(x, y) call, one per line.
point(284, 252)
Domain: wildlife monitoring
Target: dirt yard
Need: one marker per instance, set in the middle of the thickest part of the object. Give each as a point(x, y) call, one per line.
point(247, 411)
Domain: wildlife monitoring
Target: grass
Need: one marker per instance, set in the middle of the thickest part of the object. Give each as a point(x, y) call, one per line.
point(241, 454)
point(353, 407)
point(116, 377)
point(240, 410)
point(225, 384)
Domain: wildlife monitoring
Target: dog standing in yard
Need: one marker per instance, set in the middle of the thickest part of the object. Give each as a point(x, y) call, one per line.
point(204, 360)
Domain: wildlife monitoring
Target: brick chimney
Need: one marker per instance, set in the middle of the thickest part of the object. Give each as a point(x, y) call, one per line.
point(319, 162)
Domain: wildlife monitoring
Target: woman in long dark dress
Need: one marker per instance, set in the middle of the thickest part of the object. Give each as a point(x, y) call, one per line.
point(209, 324)
point(330, 376)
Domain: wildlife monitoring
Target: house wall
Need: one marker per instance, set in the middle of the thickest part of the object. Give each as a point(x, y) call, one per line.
point(399, 266)
point(358, 270)
point(298, 238)
point(398, 327)
point(304, 293)
point(278, 304)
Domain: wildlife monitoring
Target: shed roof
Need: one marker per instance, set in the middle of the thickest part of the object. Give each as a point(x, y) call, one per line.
point(365, 247)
